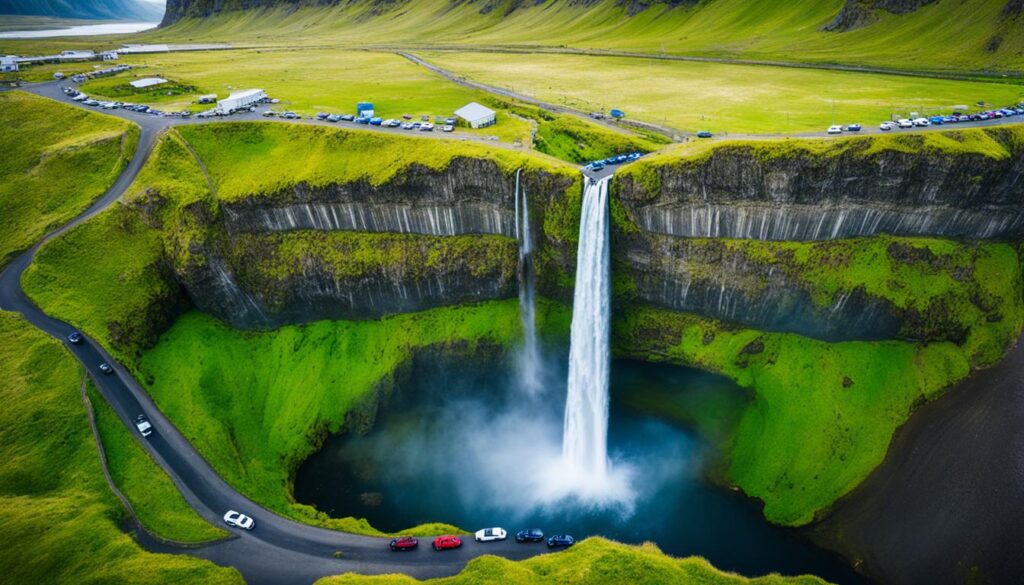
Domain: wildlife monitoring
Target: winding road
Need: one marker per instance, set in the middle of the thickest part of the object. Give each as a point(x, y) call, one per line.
point(278, 550)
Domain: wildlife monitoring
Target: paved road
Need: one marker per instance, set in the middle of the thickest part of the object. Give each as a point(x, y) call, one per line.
point(682, 135)
point(277, 551)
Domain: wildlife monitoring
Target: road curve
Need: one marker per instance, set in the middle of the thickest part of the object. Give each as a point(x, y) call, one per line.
point(278, 550)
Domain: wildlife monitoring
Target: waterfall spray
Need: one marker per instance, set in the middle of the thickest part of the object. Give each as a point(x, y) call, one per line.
point(529, 356)
point(585, 434)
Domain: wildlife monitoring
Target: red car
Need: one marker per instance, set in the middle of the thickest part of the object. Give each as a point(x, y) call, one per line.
point(404, 543)
point(446, 542)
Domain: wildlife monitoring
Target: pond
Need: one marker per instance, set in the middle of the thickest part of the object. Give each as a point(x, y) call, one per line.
point(458, 442)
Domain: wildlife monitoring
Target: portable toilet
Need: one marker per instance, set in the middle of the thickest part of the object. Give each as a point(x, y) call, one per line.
point(616, 113)
point(364, 110)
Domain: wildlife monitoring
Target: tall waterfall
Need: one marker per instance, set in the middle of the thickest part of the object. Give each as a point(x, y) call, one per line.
point(585, 434)
point(529, 357)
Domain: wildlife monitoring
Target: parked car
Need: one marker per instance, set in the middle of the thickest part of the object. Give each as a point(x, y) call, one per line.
point(239, 520)
point(426, 127)
point(938, 120)
point(322, 115)
point(404, 543)
point(561, 541)
point(75, 337)
point(407, 126)
point(704, 134)
point(596, 166)
point(835, 129)
point(290, 116)
point(905, 123)
point(267, 114)
point(334, 118)
point(362, 120)
point(448, 128)
point(376, 121)
point(142, 423)
point(853, 128)
point(886, 126)
point(106, 369)
point(447, 542)
point(922, 122)
point(348, 117)
point(490, 534)
point(530, 535)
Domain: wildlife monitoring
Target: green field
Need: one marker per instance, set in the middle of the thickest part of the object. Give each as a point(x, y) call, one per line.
point(719, 97)
point(595, 561)
point(60, 519)
point(57, 160)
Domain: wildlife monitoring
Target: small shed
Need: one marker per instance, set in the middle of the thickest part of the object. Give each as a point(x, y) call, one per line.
point(241, 99)
point(476, 116)
point(364, 110)
point(147, 82)
point(8, 64)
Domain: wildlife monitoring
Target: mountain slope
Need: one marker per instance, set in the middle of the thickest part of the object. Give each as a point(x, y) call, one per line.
point(85, 9)
point(925, 35)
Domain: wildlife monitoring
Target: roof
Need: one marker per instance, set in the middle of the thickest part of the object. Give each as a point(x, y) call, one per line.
point(474, 111)
point(147, 82)
point(243, 94)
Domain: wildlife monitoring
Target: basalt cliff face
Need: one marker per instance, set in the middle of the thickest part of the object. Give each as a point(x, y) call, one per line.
point(427, 238)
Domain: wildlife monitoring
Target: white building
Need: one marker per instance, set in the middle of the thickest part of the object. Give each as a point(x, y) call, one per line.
point(8, 64)
point(109, 56)
point(147, 82)
point(241, 99)
point(476, 116)
point(76, 56)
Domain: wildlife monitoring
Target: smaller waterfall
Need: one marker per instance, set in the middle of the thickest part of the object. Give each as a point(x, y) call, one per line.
point(529, 356)
point(585, 433)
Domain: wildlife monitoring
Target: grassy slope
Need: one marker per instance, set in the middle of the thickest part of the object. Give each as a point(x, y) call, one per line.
point(57, 159)
point(749, 29)
point(261, 402)
point(158, 503)
point(595, 561)
point(60, 519)
point(721, 97)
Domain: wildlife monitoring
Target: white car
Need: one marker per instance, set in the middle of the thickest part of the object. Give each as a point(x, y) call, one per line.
point(905, 123)
point(490, 534)
point(887, 126)
point(922, 122)
point(142, 423)
point(239, 520)
point(835, 129)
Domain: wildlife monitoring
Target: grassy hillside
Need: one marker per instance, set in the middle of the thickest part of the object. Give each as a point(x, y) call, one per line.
point(158, 503)
point(256, 404)
point(973, 34)
point(60, 519)
point(595, 561)
point(57, 160)
point(722, 97)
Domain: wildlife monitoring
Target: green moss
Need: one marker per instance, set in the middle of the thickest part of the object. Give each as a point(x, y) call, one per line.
point(57, 160)
point(595, 561)
point(60, 519)
point(823, 414)
point(154, 497)
point(259, 403)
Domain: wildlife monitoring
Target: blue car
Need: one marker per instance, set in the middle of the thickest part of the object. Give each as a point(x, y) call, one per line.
point(376, 121)
point(635, 155)
point(596, 165)
point(937, 120)
point(362, 120)
point(853, 128)
point(530, 535)
point(561, 541)
point(704, 134)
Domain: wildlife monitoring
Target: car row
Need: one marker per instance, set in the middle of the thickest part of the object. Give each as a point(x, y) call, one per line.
point(450, 541)
point(619, 159)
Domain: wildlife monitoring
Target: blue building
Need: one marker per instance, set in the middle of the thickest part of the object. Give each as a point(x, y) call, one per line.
point(364, 110)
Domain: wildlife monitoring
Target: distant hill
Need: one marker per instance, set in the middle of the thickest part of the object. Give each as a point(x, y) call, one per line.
point(976, 36)
point(137, 10)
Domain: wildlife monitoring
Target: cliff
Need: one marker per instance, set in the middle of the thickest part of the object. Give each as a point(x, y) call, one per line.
point(85, 9)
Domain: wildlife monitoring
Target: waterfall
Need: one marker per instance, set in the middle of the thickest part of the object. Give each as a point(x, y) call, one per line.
point(585, 433)
point(529, 356)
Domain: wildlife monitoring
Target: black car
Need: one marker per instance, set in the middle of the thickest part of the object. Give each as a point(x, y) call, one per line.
point(561, 541)
point(853, 128)
point(703, 134)
point(75, 337)
point(530, 535)
point(106, 369)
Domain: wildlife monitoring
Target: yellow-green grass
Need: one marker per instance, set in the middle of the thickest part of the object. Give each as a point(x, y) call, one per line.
point(60, 519)
point(745, 29)
point(311, 80)
point(595, 561)
point(723, 98)
point(246, 159)
point(57, 160)
point(256, 404)
point(157, 502)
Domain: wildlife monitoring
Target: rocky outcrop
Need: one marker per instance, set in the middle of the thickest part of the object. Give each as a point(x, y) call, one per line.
point(858, 13)
point(862, 188)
